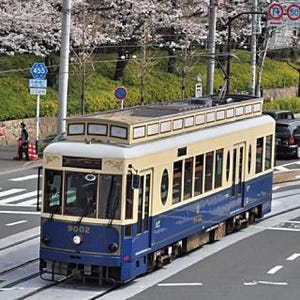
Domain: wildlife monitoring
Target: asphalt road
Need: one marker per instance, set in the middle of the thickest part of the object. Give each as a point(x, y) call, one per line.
point(7, 161)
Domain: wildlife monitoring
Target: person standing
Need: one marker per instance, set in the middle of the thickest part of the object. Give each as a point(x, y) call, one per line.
point(23, 142)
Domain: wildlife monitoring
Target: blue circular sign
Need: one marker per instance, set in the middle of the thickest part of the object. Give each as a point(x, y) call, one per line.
point(39, 70)
point(120, 93)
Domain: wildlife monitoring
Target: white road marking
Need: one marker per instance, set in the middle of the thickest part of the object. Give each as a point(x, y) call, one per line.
point(24, 178)
point(19, 212)
point(281, 168)
point(9, 192)
point(30, 202)
point(265, 282)
point(279, 228)
point(274, 270)
point(276, 187)
point(19, 197)
point(181, 284)
point(293, 257)
point(292, 222)
point(16, 223)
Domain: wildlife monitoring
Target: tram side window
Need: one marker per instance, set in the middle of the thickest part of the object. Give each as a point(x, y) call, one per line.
point(52, 191)
point(208, 171)
point(80, 194)
point(140, 207)
point(198, 181)
point(259, 155)
point(269, 150)
point(129, 198)
point(177, 181)
point(249, 159)
point(147, 202)
point(188, 176)
point(110, 196)
point(219, 168)
point(227, 165)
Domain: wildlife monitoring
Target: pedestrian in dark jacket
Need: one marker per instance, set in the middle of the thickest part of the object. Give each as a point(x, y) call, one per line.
point(23, 142)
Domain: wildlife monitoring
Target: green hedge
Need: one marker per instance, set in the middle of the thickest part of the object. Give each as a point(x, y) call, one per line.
point(16, 101)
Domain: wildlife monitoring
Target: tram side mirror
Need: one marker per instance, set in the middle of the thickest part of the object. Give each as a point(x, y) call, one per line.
point(135, 181)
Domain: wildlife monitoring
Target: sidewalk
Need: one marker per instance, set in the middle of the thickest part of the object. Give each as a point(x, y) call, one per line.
point(286, 176)
point(8, 163)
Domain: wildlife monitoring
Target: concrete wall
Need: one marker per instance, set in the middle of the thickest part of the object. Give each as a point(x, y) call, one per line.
point(271, 94)
point(12, 129)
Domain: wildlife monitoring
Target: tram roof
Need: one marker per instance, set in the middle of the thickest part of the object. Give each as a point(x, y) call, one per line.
point(107, 150)
point(148, 122)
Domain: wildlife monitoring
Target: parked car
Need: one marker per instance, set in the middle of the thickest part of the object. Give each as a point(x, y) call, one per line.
point(288, 138)
point(50, 139)
point(279, 114)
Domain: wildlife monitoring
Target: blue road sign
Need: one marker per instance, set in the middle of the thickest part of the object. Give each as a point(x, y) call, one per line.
point(39, 70)
point(120, 93)
point(38, 83)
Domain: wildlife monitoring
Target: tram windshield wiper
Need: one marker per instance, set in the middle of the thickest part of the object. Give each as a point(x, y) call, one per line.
point(84, 214)
point(53, 210)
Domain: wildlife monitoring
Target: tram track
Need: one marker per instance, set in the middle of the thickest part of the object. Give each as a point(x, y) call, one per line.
point(18, 266)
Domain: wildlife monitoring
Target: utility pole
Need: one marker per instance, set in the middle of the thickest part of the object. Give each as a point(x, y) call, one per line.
point(211, 47)
point(230, 20)
point(253, 48)
point(64, 66)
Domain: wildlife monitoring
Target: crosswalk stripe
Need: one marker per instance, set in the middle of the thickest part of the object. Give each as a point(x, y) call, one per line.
point(9, 192)
point(33, 176)
point(18, 197)
point(281, 168)
point(30, 202)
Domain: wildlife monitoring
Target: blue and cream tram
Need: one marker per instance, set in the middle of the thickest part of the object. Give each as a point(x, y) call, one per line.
point(130, 190)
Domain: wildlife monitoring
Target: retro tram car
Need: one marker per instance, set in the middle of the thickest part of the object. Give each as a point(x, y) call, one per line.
point(129, 190)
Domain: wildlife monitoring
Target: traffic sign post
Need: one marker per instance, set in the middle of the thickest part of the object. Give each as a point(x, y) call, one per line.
point(120, 94)
point(38, 87)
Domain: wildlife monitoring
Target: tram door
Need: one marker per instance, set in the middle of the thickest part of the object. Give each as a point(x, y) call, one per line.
point(143, 212)
point(237, 189)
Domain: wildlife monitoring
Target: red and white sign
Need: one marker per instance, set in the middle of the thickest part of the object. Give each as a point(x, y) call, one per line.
point(275, 11)
point(293, 12)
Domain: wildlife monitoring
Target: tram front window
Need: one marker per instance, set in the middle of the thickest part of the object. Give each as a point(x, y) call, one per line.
point(110, 196)
point(84, 194)
point(80, 194)
point(52, 191)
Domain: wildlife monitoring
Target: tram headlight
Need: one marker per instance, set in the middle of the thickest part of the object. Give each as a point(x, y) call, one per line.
point(113, 247)
point(77, 239)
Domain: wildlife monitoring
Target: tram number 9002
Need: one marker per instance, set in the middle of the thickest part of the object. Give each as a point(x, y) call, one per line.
point(78, 229)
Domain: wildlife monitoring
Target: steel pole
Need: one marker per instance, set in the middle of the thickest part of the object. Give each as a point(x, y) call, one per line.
point(211, 47)
point(64, 66)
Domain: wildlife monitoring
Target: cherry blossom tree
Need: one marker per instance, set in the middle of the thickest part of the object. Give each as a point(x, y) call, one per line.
point(34, 26)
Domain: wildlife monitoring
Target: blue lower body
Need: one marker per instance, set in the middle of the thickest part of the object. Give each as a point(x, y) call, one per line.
point(131, 259)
